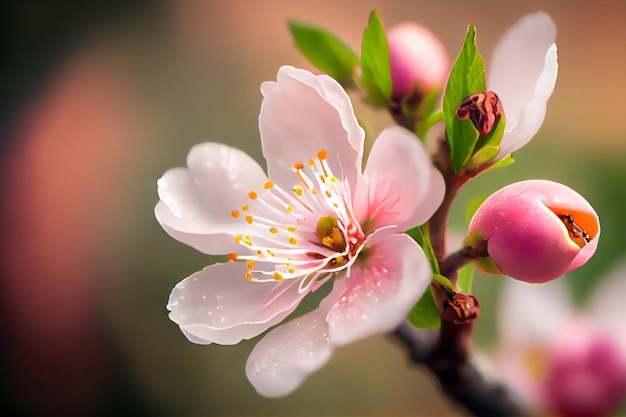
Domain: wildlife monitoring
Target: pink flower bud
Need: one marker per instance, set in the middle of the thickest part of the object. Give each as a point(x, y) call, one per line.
point(536, 230)
point(418, 59)
point(586, 376)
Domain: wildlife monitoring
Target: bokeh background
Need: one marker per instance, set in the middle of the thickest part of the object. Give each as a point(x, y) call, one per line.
point(98, 99)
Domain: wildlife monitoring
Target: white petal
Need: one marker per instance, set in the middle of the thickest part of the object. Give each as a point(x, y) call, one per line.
point(607, 308)
point(302, 114)
point(531, 314)
point(219, 305)
point(196, 202)
point(523, 73)
point(403, 186)
point(380, 293)
point(282, 360)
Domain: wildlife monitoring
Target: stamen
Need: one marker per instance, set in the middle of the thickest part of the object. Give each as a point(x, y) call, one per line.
point(249, 219)
point(253, 195)
point(232, 256)
point(235, 214)
point(268, 185)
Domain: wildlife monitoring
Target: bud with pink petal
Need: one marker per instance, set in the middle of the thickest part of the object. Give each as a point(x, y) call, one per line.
point(419, 61)
point(536, 230)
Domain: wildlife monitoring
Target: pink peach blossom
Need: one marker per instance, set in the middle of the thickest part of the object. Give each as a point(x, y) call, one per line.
point(316, 217)
point(523, 73)
point(536, 230)
point(562, 360)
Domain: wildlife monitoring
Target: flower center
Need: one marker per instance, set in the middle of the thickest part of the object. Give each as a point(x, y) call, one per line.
point(308, 233)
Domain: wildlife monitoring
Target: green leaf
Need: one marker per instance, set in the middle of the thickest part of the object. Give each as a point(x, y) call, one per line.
point(466, 77)
point(491, 140)
point(427, 123)
point(466, 276)
point(325, 51)
point(422, 237)
point(375, 66)
point(484, 155)
point(506, 161)
point(425, 314)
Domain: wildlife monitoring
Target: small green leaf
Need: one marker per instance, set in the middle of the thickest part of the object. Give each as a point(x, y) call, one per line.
point(427, 123)
point(422, 237)
point(466, 77)
point(425, 314)
point(375, 66)
point(466, 276)
point(484, 155)
point(325, 51)
point(506, 161)
point(443, 281)
point(492, 139)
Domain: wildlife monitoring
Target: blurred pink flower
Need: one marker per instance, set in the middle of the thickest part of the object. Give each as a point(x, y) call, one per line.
point(523, 73)
point(536, 230)
point(320, 217)
point(561, 360)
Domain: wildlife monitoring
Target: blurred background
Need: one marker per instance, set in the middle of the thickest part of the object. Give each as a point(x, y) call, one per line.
point(99, 99)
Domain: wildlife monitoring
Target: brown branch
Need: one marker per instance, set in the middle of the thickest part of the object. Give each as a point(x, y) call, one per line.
point(450, 361)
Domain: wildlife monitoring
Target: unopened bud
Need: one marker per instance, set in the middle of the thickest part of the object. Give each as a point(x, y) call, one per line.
point(419, 61)
point(536, 230)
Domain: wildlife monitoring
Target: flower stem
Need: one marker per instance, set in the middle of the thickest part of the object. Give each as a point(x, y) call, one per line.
point(449, 266)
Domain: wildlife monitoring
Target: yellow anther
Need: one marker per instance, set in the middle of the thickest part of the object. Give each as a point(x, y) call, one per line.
point(333, 179)
point(328, 194)
point(238, 238)
point(249, 219)
point(322, 155)
point(253, 195)
point(247, 240)
point(250, 265)
point(248, 275)
point(270, 253)
point(292, 270)
point(298, 190)
point(268, 185)
point(311, 163)
point(293, 241)
point(234, 213)
point(298, 166)
point(273, 230)
point(292, 229)
point(245, 207)
point(278, 277)
point(260, 254)
point(232, 256)
point(289, 209)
